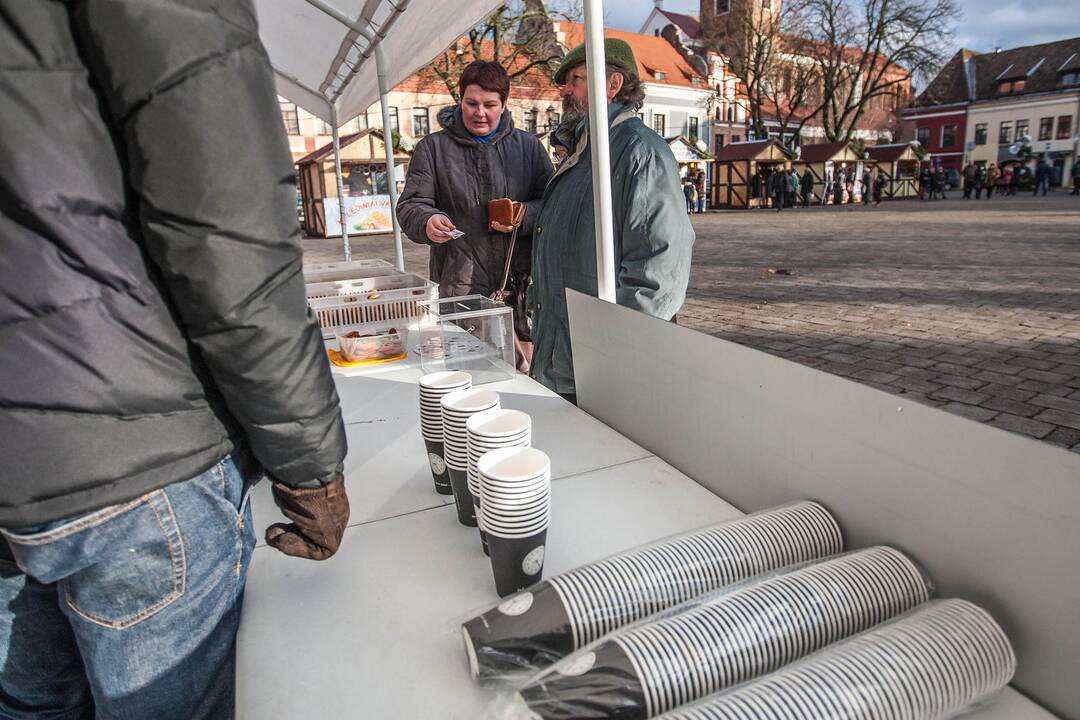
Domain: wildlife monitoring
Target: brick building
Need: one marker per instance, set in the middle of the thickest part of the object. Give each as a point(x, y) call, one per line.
point(991, 104)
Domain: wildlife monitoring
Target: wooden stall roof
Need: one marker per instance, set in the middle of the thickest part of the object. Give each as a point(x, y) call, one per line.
point(823, 152)
point(892, 152)
point(351, 150)
point(753, 150)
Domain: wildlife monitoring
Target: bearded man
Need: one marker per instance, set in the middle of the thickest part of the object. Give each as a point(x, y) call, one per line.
point(653, 236)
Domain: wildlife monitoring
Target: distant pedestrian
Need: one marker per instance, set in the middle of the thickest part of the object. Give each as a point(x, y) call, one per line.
point(939, 182)
point(807, 183)
point(925, 178)
point(688, 193)
point(777, 184)
point(1042, 176)
point(760, 188)
point(879, 186)
point(980, 180)
point(838, 189)
point(699, 187)
point(993, 175)
point(1005, 185)
point(969, 180)
point(1014, 181)
point(792, 188)
point(866, 186)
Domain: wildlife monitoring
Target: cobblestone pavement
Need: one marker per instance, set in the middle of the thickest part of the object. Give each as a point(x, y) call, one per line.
point(971, 306)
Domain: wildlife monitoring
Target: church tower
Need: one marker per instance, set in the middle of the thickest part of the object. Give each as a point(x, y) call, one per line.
point(731, 26)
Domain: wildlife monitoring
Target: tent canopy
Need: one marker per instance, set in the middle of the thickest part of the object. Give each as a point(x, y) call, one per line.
point(315, 56)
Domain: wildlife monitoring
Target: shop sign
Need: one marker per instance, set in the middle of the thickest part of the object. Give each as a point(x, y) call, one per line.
point(684, 153)
point(363, 214)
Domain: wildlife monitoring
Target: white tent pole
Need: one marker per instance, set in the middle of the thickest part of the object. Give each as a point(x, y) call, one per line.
point(340, 183)
point(388, 145)
point(380, 70)
point(596, 65)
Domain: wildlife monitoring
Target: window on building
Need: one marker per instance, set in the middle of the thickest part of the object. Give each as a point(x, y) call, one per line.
point(723, 6)
point(1046, 128)
point(1064, 130)
point(980, 133)
point(948, 136)
point(1005, 133)
point(421, 123)
point(322, 127)
point(659, 124)
point(1070, 78)
point(1022, 129)
point(736, 138)
point(530, 121)
point(1011, 86)
point(290, 117)
point(719, 141)
point(693, 129)
point(922, 135)
point(395, 124)
point(661, 75)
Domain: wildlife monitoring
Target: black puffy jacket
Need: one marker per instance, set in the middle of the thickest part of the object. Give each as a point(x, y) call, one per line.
point(450, 173)
point(152, 311)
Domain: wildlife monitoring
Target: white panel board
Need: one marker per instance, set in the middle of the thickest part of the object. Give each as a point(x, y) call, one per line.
point(993, 516)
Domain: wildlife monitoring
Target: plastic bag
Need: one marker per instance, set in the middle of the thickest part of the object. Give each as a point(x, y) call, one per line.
point(727, 638)
point(535, 628)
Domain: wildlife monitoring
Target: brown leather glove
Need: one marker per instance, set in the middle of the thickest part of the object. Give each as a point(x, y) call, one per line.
point(319, 517)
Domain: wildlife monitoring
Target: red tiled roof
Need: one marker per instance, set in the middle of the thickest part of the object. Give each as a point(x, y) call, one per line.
point(1040, 66)
point(689, 24)
point(653, 54)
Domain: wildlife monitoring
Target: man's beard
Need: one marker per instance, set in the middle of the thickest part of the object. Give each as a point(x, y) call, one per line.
point(573, 111)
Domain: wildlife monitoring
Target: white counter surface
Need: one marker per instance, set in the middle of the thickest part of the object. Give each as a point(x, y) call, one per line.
point(375, 631)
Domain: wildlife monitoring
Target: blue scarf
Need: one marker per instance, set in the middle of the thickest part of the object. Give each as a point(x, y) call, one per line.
point(485, 139)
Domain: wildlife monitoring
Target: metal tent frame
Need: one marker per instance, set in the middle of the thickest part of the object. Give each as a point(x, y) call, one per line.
point(344, 90)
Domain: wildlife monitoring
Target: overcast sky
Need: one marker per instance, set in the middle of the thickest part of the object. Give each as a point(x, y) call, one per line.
point(984, 24)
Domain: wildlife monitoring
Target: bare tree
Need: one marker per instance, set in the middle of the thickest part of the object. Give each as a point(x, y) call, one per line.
point(761, 43)
point(829, 61)
point(518, 35)
point(869, 50)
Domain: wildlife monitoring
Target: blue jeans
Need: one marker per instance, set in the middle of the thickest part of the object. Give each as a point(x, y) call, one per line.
point(128, 612)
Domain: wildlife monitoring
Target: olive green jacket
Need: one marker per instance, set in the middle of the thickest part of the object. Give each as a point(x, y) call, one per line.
point(653, 239)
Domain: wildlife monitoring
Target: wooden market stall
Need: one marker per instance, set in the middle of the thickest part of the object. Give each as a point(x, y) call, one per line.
point(692, 160)
point(823, 160)
point(737, 167)
point(900, 163)
point(363, 169)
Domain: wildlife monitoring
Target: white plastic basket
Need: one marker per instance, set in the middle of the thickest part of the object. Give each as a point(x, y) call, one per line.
point(383, 287)
point(336, 312)
point(326, 272)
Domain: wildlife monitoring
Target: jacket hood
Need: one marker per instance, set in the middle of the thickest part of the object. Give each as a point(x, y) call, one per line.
point(451, 121)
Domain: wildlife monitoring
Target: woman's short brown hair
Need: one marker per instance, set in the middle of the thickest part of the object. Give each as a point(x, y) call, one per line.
point(490, 76)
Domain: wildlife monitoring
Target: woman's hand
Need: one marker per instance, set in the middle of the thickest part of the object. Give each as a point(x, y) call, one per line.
point(439, 228)
point(497, 227)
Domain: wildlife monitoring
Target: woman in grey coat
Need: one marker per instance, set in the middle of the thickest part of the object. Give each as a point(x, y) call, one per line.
point(477, 157)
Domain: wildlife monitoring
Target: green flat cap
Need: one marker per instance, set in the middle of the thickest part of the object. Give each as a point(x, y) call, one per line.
point(619, 54)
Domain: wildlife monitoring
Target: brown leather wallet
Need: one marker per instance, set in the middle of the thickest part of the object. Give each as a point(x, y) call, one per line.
point(505, 211)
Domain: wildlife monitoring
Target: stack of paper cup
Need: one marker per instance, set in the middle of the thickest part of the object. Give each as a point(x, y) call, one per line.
point(432, 389)
point(457, 408)
point(515, 502)
point(493, 430)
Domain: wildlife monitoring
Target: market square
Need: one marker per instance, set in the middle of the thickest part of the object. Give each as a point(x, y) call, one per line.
point(539, 359)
